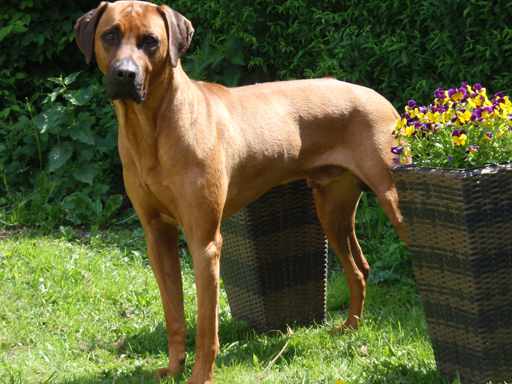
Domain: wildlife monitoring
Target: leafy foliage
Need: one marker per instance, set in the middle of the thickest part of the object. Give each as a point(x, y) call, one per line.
point(60, 150)
point(401, 48)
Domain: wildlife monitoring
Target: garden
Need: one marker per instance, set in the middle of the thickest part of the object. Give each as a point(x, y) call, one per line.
point(79, 303)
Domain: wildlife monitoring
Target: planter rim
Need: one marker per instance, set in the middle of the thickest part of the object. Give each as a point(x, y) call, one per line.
point(457, 172)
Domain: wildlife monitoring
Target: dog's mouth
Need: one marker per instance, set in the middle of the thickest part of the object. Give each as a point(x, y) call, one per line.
point(129, 91)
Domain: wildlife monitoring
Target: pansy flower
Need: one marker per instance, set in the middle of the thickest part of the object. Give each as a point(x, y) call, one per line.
point(440, 95)
point(483, 113)
point(476, 100)
point(459, 137)
point(439, 134)
point(457, 94)
point(505, 107)
point(410, 130)
point(401, 123)
point(463, 117)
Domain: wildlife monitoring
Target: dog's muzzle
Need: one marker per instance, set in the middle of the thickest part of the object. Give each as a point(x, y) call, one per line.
point(126, 82)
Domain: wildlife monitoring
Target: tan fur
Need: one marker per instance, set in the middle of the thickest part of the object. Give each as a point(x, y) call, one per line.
point(195, 153)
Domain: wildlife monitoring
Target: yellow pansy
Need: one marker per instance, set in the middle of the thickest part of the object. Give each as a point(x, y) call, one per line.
point(401, 123)
point(433, 117)
point(458, 138)
point(409, 131)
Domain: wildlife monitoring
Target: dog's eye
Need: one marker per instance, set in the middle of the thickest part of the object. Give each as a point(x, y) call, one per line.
point(110, 36)
point(151, 41)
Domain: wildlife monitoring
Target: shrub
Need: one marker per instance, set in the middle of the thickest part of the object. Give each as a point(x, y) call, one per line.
point(401, 48)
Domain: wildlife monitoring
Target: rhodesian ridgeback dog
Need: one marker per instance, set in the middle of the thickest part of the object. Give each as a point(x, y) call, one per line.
point(195, 153)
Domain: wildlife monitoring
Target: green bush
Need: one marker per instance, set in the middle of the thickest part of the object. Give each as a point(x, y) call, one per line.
point(404, 49)
point(36, 42)
point(69, 146)
point(58, 131)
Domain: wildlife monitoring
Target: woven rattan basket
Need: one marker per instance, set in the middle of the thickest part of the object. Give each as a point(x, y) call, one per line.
point(459, 227)
point(274, 260)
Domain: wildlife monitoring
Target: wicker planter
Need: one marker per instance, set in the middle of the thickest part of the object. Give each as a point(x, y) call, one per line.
point(459, 227)
point(274, 260)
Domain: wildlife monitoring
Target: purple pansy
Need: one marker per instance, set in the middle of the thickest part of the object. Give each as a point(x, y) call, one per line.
point(482, 113)
point(472, 149)
point(440, 94)
point(458, 94)
point(458, 133)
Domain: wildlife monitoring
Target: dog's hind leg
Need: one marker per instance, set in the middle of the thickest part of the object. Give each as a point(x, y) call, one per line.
point(336, 205)
point(384, 188)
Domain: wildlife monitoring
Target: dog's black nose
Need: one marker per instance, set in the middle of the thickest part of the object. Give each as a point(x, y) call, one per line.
point(126, 71)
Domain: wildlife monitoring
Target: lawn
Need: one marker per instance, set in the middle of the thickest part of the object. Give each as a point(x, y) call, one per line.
point(87, 310)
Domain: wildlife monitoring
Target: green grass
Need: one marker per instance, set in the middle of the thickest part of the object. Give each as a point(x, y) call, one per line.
point(89, 311)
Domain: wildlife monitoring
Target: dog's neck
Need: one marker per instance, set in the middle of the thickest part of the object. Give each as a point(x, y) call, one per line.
point(139, 123)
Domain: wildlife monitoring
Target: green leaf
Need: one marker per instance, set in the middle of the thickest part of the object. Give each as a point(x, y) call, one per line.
point(5, 112)
point(43, 181)
point(78, 208)
point(86, 173)
point(71, 78)
point(111, 206)
point(27, 3)
point(40, 40)
point(82, 131)
point(26, 19)
point(19, 28)
point(405, 59)
point(47, 119)
point(86, 154)
point(105, 142)
point(5, 31)
point(56, 92)
point(58, 156)
point(81, 96)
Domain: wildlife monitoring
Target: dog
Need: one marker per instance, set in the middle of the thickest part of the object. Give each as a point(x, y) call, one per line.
point(195, 153)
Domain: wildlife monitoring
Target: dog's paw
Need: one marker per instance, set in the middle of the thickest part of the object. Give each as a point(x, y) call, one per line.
point(164, 373)
point(345, 328)
point(161, 374)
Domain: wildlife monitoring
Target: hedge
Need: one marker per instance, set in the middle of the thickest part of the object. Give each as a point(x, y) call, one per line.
point(404, 49)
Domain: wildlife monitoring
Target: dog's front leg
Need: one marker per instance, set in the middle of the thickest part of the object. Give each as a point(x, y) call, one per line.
point(162, 245)
point(205, 252)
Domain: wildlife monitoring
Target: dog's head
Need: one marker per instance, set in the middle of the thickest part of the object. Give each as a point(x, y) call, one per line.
point(134, 42)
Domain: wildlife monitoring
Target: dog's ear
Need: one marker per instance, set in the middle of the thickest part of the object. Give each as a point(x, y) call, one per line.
point(85, 28)
point(179, 33)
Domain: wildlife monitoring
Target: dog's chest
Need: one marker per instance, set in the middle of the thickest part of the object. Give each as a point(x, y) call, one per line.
point(154, 191)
